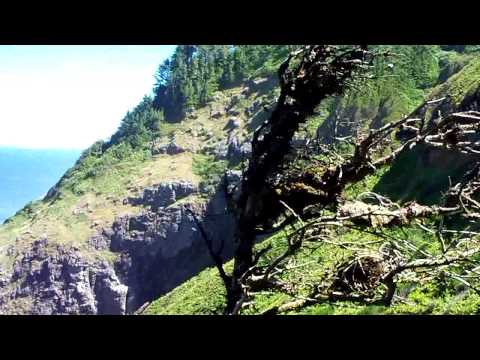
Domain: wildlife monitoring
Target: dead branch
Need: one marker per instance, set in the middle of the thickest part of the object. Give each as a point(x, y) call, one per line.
point(215, 255)
point(322, 71)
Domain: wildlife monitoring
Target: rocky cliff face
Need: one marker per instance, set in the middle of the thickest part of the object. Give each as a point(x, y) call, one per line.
point(58, 280)
point(161, 248)
point(156, 251)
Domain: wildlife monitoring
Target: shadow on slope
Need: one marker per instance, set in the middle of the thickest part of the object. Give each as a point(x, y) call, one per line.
point(423, 175)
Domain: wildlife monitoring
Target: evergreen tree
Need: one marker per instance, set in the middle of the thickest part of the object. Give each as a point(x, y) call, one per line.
point(239, 64)
point(195, 72)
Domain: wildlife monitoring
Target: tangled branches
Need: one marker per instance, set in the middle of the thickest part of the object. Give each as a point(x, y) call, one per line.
point(358, 278)
point(369, 269)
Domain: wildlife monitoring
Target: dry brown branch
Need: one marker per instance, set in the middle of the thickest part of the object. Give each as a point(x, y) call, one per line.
point(215, 255)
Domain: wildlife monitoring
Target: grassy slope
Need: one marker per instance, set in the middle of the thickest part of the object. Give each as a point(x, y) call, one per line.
point(462, 84)
point(392, 93)
point(91, 204)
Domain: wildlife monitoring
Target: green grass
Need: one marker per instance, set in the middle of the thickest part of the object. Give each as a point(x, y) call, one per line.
point(203, 294)
point(462, 84)
point(208, 169)
point(106, 173)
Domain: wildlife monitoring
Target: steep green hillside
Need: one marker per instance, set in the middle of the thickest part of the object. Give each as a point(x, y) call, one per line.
point(205, 293)
point(421, 175)
point(90, 195)
point(399, 84)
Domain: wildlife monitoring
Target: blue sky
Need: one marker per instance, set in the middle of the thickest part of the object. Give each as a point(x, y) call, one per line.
point(71, 96)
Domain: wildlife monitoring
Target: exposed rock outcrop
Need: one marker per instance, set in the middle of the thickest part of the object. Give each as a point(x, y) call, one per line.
point(160, 249)
point(171, 148)
point(253, 108)
point(59, 280)
point(233, 112)
point(164, 194)
point(233, 181)
point(4, 278)
point(216, 114)
point(232, 149)
point(238, 151)
point(233, 123)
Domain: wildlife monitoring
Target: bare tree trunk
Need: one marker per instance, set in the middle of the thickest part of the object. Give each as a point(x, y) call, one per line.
point(322, 72)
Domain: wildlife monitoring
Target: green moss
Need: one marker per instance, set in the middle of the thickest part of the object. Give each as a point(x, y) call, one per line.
point(321, 114)
point(346, 308)
point(354, 190)
point(452, 62)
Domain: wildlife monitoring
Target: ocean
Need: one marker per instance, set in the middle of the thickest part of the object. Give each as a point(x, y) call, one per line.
point(27, 175)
